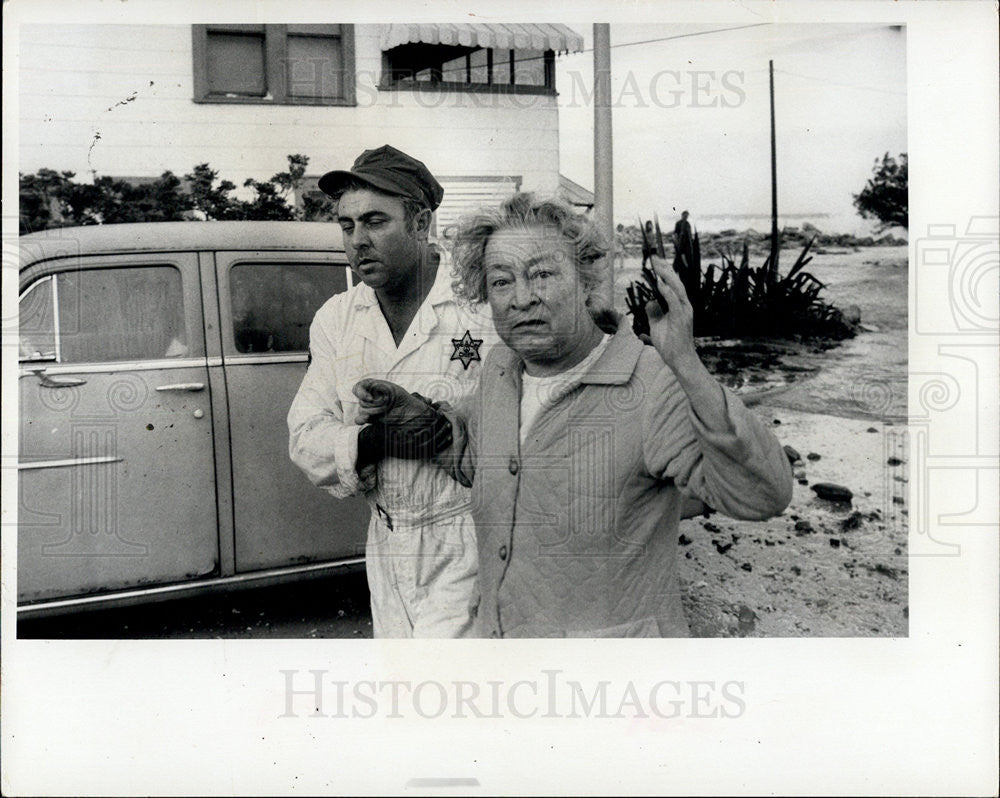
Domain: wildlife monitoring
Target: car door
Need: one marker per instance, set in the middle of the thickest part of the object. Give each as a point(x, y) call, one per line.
point(267, 301)
point(116, 470)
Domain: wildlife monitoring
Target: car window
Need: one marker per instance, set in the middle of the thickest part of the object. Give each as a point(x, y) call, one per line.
point(273, 304)
point(36, 322)
point(101, 315)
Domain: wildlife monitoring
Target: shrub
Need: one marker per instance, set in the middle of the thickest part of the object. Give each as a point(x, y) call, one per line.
point(739, 301)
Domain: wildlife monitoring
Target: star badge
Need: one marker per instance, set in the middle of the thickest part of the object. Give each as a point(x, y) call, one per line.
point(466, 349)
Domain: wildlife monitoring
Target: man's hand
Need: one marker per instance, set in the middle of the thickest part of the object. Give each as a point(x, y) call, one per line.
point(671, 332)
point(400, 424)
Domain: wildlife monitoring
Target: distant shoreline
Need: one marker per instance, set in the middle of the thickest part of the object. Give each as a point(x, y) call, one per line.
point(731, 241)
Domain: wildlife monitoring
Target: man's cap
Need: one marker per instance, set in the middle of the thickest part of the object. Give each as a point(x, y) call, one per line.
point(389, 170)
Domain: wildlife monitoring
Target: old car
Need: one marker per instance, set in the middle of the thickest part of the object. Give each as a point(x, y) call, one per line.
point(157, 363)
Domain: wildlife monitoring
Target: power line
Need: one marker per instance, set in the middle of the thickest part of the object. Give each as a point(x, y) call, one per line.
point(682, 36)
point(718, 30)
point(644, 41)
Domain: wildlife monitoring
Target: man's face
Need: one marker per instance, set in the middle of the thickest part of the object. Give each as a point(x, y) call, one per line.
point(532, 285)
point(382, 249)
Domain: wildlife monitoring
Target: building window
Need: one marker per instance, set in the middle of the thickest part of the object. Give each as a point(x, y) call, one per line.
point(277, 64)
point(418, 65)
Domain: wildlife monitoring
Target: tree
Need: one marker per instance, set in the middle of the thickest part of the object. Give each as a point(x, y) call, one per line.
point(271, 198)
point(210, 200)
point(118, 201)
point(884, 197)
point(51, 199)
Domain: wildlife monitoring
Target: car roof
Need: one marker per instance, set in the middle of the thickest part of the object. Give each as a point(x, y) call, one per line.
point(178, 237)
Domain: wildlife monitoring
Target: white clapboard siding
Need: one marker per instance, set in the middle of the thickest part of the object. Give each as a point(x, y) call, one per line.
point(463, 195)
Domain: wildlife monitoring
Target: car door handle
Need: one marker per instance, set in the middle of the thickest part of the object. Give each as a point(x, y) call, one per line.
point(47, 382)
point(182, 386)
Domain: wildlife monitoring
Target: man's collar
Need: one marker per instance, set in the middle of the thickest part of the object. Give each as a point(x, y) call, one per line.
point(364, 296)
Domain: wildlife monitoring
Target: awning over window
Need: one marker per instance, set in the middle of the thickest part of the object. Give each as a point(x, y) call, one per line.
point(500, 36)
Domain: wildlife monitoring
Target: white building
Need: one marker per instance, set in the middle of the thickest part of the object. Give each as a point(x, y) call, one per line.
point(475, 102)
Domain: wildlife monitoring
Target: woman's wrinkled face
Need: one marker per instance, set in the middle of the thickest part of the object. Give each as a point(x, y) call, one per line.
point(533, 287)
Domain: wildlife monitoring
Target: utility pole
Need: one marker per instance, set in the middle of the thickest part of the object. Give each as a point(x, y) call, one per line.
point(772, 274)
point(603, 158)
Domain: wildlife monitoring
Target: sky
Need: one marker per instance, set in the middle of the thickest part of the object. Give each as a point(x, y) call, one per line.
point(691, 119)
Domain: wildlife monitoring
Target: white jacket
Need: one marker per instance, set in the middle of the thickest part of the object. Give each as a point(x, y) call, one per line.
point(349, 340)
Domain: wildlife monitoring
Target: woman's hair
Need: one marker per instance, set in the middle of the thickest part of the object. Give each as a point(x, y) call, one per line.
point(522, 210)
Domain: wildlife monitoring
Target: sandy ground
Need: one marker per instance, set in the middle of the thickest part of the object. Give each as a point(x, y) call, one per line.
point(821, 568)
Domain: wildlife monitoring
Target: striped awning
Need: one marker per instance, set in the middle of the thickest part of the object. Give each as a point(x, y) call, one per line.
point(500, 36)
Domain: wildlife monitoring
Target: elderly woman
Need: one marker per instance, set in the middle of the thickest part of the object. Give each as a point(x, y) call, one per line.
point(581, 444)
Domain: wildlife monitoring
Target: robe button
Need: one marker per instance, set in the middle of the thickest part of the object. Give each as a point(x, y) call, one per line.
point(513, 466)
point(503, 552)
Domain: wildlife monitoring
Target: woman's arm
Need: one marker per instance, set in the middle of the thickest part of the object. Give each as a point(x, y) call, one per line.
point(700, 436)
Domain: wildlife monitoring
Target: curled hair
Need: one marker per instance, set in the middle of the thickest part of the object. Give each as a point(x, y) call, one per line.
point(521, 210)
point(411, 207)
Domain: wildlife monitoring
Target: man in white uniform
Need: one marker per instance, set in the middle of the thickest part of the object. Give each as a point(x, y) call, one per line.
point(401, 322)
